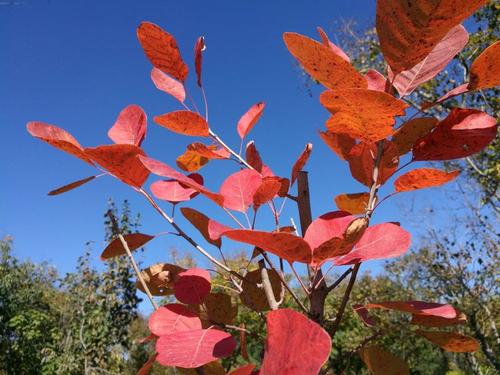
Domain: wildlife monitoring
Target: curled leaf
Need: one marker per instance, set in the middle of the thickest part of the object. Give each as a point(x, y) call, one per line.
point(199, 47)
point(71, 186)
point(301, 162)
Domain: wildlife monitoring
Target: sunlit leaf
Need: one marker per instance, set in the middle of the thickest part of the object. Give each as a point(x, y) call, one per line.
point(199, 47)
point(172, 318)
point(184, 122)
point(202, 223)
point(252, 157)
point(239, 188)
point(355, 204)
point(485, 70)
point(451, 341)
point(249, 119)
point(173, 191)
point(167, 84)
point(134, 241)
point(407, 134)
point(301, 162)
point(327, 43)
point(375, 80)
point(160, 278)
point(130, 127)
point(341, 144)
point(417, 307)
point(191, 161)
point(423, 178)
point(71, 186)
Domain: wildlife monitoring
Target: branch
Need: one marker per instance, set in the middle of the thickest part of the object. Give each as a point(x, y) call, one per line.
point(266, 285)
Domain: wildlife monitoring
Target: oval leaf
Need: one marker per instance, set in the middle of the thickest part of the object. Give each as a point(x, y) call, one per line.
point(173, 191)
point(184, 122)
point(423, 178)
point(203, 224)
point(167, 84)
point(451, 341)
point(381, 362)
point(71, 186)
point(199, 47)
point(130, 126)
point(485, 70)
point(407, 134)
point(192, 286)
point(133, 240)
point(340, 144)
point(301, 162)
point(355, 204)
point(254, 297)
point(417, 307)
point(239, 188)
point(160, 278)
point(249, 119)
point(172, 318)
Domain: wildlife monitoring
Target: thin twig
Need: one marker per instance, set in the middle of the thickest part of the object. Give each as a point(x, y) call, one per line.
point(229, 149)
point(339, 280)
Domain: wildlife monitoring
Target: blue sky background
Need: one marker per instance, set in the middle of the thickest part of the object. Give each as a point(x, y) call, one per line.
point(76, 64)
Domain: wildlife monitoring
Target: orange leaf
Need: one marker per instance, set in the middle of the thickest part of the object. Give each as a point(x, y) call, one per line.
point(437, 321)
point(361, 162)
point(451, 341)
point(130, 126)
point(417, 307)
point(219, 308)
point(59, 138)
point(409, 31)
point(355, 204)
point(134, 241)
point(209, 152)
point(167, 84)
point(381, 362)
point(71, 186)
point(191, 161)
point(322, 64)
point(360, 113)
point(341, 144)
point(202, 223)
point(301, 162)
point(184, 122)
point(250, 118)
point(423, 178)
point(160, 278)
point(407, 134)
point(121, 161)
point(267, 190)
point(161, 49)
point(327, 43)
point(485, 70)
point(199, 47)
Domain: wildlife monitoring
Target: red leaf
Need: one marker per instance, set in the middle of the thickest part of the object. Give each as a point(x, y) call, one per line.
point(301, 162)
point(322, 63)
point(162, 169)
point(380, 241)
point(173, 191)
point(71, 186)
point(375, 80)
point(184, 122)
point(250, 118)
point(464, 132)
point(417, 307)
point(459, 90)
point(325, 235)
point(408, 80)
point(161, 49)
point(437, 321)
point(361, 162)
point(327, 43)
point(239, 188)
point(209, 152)
point(364, 315)
point(203, 223)
point(268, 189)
point(59, 138)
point(199, 47)
point(341, 144)
point(130, 126)
point(382, 362)
point(451, 341)
point(411, 131)
point(252, 157)
point(243, 370)
point(192, 286)
point(134, 242)
point(191, 349)
point(167, 84)
point(485, 70)
point(295, 344)
point(121, 161)
point(172, 318)
point(423, 178)
point(284, 245)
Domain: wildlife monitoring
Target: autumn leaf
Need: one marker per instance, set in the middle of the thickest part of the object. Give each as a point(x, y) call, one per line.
point(173, 317)
point(322, 64)
point(59, 138)
point(184, 122)
point(134, 241)
point(71, 186)
point(243, 370)
point(191, 161)
point(451, 341)
point(407, 134)
point(219, 308)
point(364, 315)
point(452, 43)
point(269, 188)
point(485, 70)
point(361, 162)
point(299, 351)
point(203, 224)
point(192, 286)
point(146, 368)
point(417, 307)
point(375, 80)
point(327, 43)
point(121, 161)
point(301, 162)
point(340, 144)
point(173, 191)
point(423, 178)
point(382, 362)
point(209, 152)
point(160, 278)
point(408, 33)
point(462, 133)
point(199, 47)
point(355, 204)
point(162, 169)
point(130, 127)
point(254, 297)
point(167, 84)
point(239, 188)
point(380, 241)
point(249, 119)
point(161, 49)
point(437, 321)
point(252, 157)
point(363, 114)
point(195, 348)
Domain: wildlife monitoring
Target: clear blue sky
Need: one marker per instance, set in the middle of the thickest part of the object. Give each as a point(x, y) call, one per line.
point(76, 64)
